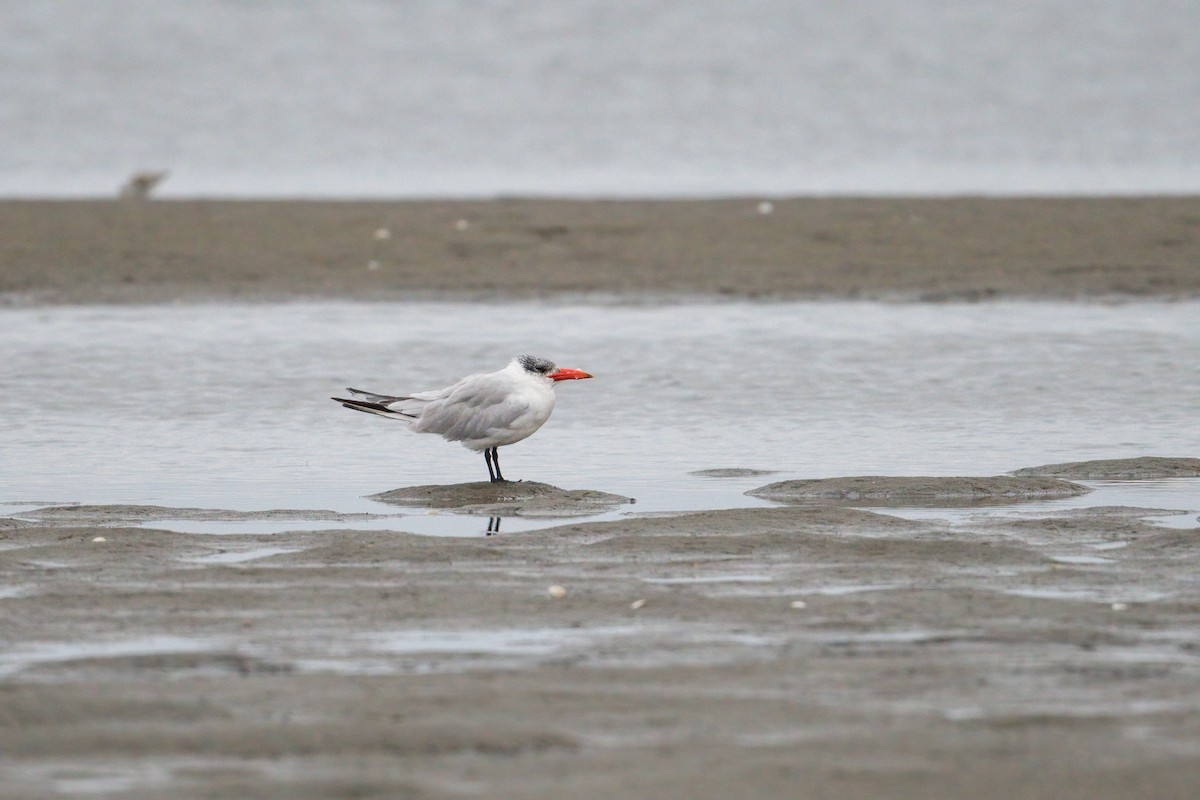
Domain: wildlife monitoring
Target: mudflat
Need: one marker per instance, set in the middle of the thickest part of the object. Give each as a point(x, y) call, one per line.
point(810, 650)
point(932, 249)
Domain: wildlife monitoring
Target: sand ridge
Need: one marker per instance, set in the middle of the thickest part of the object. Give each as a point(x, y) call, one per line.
point(900, 248)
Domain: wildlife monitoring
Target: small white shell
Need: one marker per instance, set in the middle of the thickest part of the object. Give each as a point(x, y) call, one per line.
point(556, 591)
point(799, 604)
point(639, 603)
point(99, 539)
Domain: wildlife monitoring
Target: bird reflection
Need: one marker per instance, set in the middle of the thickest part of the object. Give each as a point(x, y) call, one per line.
point(493, 526)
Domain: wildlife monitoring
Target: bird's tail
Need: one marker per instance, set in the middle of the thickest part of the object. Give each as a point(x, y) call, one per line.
point(402, 408)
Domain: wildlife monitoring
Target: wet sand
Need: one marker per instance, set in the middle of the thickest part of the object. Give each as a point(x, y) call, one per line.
point(932, 249)
point(808, 650)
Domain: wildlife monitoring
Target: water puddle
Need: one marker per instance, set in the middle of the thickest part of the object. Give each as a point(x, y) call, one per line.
point(508, 642)
point(701, 579)
point(1168, 503)
point(916, 636)
point(1089, 595)
point(1082, 560)
point(15, 661)
point(850, 588)
point(242, 556)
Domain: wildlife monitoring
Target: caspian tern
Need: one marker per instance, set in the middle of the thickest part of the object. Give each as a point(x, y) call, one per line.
point(482, 411)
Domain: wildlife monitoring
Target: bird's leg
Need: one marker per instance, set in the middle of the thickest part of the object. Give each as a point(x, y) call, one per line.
point(496, 461)
point(487, 457)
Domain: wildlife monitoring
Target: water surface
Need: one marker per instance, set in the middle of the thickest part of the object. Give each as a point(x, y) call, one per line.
point(601, 97)
point(227, 406)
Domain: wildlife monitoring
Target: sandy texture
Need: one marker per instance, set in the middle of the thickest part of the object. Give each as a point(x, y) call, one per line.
point(1146, 467)
point(137, 514)
point(130, 251)
point(885, 490)
point(732, 472)
point(507, 498)
point(799, 651)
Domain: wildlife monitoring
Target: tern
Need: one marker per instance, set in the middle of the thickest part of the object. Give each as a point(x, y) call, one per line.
point(484, 412)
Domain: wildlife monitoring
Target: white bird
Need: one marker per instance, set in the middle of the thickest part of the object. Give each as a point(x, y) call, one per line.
point(482, 411)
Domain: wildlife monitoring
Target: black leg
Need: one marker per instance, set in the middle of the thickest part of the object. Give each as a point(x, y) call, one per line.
point(487, 457)
point(496, 461)
point(492, 457)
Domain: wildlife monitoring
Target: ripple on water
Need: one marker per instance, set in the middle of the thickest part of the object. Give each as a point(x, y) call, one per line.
point(806, 390)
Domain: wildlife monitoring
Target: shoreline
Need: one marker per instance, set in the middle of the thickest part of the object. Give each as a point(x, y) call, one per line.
point(924, 249)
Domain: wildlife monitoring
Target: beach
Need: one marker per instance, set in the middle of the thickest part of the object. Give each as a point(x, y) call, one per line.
point(926, 249)
point(824, 646)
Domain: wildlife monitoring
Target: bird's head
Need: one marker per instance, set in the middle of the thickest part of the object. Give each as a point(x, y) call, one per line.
point(547, 369)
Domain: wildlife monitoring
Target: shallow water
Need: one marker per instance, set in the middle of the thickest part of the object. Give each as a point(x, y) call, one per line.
point(226, 406)
point(1169, 503)
point(600, 98)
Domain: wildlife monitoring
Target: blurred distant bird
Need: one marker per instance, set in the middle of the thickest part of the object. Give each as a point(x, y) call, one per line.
point(141, 184)
point(482, 411)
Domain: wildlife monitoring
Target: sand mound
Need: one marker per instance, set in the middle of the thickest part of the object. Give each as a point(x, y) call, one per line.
point(1122, 469)
point(519, 498)
point(874, 490)
point(125, 514)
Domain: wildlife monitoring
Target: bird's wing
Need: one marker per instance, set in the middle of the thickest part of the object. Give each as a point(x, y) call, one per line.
point(474, 408)
point(386, 405)
point(374, 398)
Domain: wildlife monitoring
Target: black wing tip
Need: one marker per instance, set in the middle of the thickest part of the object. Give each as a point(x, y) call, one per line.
point(361, 405)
